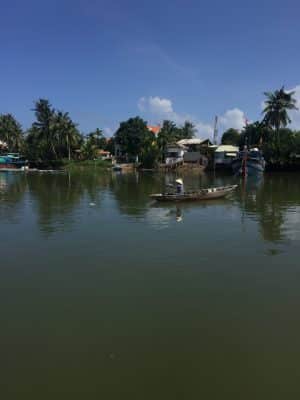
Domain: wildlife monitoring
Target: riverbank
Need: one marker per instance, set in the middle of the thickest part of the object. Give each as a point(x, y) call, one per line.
point(69, 164)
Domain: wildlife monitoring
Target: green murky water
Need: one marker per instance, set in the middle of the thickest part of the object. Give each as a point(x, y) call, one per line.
point(105, 295)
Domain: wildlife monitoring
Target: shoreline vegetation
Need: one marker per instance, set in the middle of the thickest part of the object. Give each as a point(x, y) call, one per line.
point(55, 141)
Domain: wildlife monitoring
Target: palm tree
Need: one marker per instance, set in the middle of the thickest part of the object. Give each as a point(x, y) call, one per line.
point(188, 130)
point(64, 133)
point(167, 135)
point(276, 109)
point(97, 138)
point(42, 126)
point(53, 131)
point(11, 132)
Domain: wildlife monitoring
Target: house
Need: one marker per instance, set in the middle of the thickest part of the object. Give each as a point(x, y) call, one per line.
point(104, 155)
point(224, 154)
point(196, 150)
point(195, 144)
point(174, 154)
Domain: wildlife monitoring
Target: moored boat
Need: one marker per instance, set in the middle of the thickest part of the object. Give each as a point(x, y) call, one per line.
point(203, 194)
point(117, 168)
point(12, 161)
point(249, 162)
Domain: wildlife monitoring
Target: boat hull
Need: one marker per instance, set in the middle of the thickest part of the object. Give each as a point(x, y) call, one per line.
point(204, 194)
point(253, 167)
point(11, 163)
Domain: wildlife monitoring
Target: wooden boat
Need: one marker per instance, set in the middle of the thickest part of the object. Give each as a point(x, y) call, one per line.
point(203, 194)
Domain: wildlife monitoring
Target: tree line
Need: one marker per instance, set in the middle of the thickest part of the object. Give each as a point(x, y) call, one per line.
point(280, 145)
point(55, 136)
point(52, 136)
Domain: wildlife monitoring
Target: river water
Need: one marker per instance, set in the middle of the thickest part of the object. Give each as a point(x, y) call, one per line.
point(107, 295)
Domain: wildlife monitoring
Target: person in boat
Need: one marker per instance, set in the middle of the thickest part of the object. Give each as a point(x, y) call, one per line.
point(179, 186)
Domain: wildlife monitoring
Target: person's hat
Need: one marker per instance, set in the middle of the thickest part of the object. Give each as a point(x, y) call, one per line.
point(179, 181)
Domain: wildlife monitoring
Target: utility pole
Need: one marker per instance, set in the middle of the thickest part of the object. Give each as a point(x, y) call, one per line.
point(216, 129)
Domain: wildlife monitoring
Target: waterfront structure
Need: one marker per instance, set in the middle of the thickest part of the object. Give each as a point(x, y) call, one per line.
point(195, 144)
point(224, 155)
point(197, 150)
point(174, 154)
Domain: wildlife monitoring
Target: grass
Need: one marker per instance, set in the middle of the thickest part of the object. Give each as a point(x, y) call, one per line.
point(103, 164)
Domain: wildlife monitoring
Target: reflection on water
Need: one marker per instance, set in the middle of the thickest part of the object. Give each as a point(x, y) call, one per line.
point(107, 294)
point(57, 200)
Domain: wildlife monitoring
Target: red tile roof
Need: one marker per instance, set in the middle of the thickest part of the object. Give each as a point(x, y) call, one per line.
point(154, 129)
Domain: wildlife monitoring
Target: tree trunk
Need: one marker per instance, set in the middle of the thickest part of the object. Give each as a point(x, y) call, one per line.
point(69, 148)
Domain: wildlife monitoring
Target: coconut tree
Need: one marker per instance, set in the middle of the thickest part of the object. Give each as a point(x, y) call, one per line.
point(44, 114)
point(64, 133)
point(97, 138)
point(277, 105)
point(11, 132)
point(188, 130)
point(53, 133)
point(167, 134)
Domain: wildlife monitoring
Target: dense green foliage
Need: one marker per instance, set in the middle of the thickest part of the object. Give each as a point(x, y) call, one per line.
point(231, 136)
point(280, 145)
point(52, 137)
point(133, 136)
point(53, 134)
point(259, 135)
point(11, 132)
point(135, 139)
point(286, 153)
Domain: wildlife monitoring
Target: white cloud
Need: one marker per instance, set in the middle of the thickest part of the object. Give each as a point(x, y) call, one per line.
point(234, 118)
point(295, 114)
point(108, 131)
point(162, 108)
point(155, 105)
point(205, 130)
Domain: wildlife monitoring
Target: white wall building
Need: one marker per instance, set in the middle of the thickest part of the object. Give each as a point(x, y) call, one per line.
point(174, 154)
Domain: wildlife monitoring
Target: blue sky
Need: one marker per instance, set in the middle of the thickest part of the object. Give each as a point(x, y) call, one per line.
point(107, 60)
